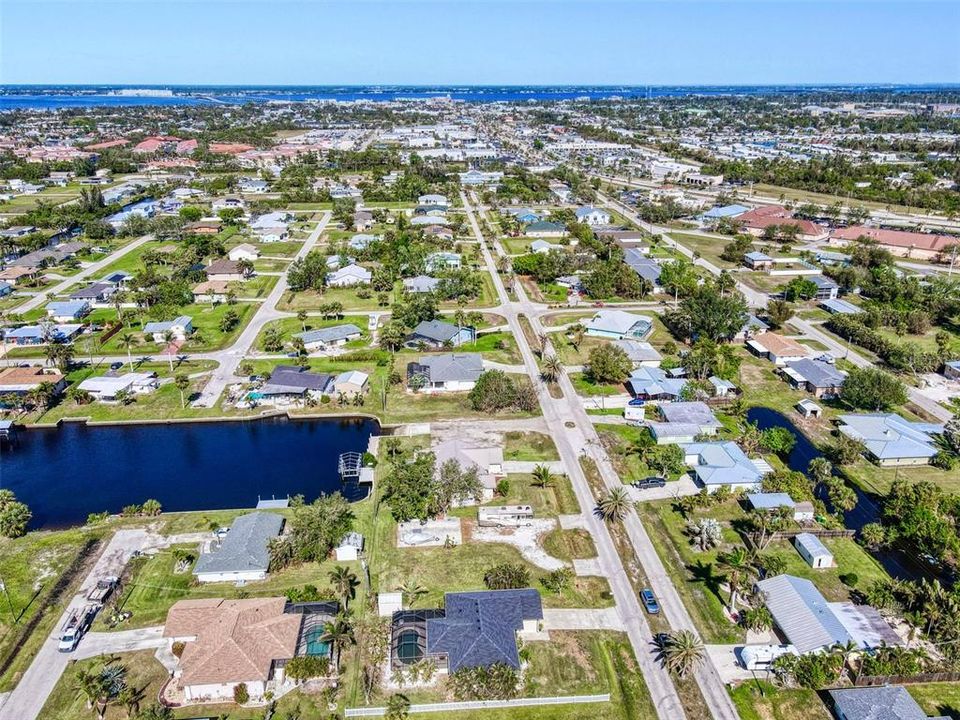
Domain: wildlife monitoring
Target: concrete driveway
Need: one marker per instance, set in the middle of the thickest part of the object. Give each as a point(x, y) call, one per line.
point(105, 643)
point(582, 619)
point(684, 486)
point(526, 539)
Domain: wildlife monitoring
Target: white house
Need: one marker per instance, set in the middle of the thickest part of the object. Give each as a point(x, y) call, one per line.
point(106, 388)
point(178, 328)
point(246, 251)
point(349, 276)
point(592, 216)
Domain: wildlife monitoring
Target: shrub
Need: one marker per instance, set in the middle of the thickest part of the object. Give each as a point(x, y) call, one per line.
point(493, 682)
point(241, 695)
point(178, 648)
point(308, 666)
point(849, 579)
point(507, 577)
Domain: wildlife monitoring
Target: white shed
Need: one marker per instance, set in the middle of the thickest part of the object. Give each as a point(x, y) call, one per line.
point(350, 547)
point(388, 603)
point(813, 551)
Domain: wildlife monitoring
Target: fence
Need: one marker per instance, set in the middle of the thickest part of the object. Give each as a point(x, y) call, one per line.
point(820, 533)
point(483, 705)
point(873, 680)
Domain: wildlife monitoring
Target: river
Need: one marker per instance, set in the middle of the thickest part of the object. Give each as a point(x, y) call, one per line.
point(65, 473)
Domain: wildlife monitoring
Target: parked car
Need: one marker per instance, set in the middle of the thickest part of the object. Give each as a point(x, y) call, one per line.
point(77, 624)
point(116, 365)
point(653, 481)
point(103, 589)
point(649, 601)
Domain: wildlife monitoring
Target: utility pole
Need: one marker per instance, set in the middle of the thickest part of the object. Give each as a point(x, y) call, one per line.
point(13, 613)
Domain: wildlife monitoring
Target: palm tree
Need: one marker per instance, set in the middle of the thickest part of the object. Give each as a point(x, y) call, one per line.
point(737, 564)
point(615, 505)
point(182, 382)
point(412, 590)
point(302, 317)
point(344, 583)
point(130, 698)
point(156, 712)
point(542, 477)
point(552, 368)
point(398, 707)
point(577, 333)
point(90, 686)
point(338, 632)
point(820, 471)
point(681, 653)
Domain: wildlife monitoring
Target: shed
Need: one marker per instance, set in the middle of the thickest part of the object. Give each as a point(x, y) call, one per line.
point(388, 603)
point(350, 547)
point(808, 408)
point(813, 551)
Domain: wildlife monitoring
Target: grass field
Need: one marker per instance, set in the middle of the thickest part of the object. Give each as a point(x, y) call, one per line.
point(764, 701)
point(529, 446)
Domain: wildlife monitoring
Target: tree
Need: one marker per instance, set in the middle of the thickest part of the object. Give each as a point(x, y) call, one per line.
point(229, 320)
point(182, 382)
point(870, 388)
point(757, 619)
point(778, 312)
point(495, 390)
point(681, 652)
point(552, 368)
point(737, 566)
point(455, 486)
point(485, 682)
point(557, 580)
point(15, 516)
point(678, 277)
point(302, 317)
point(665, 460)
point(608, 364)
point(799, 288)
point(841, 497)
point(339, 633)
point(873, 535)
point(156, 712)
point(615, 504)
point(398, 707)
point(317, 528)
point(241, 695)
point(411, 591)
point(707, 313)
point(507, 576)
point(151, 508)
point(779, 440)
point(345, 584)
point(128, 339)
point(820, 471)
point(542, 476)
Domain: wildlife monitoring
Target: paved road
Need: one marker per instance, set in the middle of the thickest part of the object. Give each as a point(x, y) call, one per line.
point(231, 358)
point(569, 444)
point(92, 269)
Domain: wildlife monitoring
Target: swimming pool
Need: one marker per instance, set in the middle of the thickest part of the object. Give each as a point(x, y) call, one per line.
point(408, 647)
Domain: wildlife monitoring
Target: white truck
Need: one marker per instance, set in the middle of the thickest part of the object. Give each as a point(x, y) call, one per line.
point(74, 628)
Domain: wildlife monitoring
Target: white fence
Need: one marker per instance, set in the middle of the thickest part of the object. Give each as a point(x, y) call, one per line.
point(483, 705)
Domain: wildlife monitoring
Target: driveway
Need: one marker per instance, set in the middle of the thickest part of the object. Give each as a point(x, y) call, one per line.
point(526, 539)
point(104, 643)
point(674, 489)
point(582, 619)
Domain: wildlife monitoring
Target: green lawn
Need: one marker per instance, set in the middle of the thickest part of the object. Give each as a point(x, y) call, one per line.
point(708, 247)
point(292, 326)
point(938, 698)
point(312, 300)
point(756, 700)
point(586, 387)
point(619, 441)
point(520, 445)
point(569, 544)
point(547, 502)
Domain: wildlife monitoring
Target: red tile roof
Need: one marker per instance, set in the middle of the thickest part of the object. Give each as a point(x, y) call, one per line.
point(897, 238)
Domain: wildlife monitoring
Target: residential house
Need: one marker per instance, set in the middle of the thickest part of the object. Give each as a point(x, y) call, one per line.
point(821, 379)
point(204, 227)
point(592, 216)
point(107, 388)
point(244, 251)
point(619, 325)
point(752, 326)
point(24, 380)
point(361, 241)
point(647, 268)
point(544, 228)
point(211, 291)
point(756, 221)
point(770, 501)
point(486, 459)
point(442, 261)
point(229, 642)
point(723, 463)
point(438, 334)
point(349, 276)
point(227, 271)
point(351, 383)
point(242, 555)
point(39, 335)
point(98, 292)
point(899, 242)
point(427, 221)
point(329, 337)
point(64, 312)
point(289, 385)
point(477, 178)
point(891, 440)
point(814, 552)
point(449, 372)
point(542, 247)
point(228, 203)
point(951, 369)
point(809, 623)
point(777, 349)
point(640, 353)
point(827, 289)
point(362, 220)
point(253, 186)
point(683, 423)
point(420, 284)
point(178, 328)
point(434, 199)
point(836, 306)
point(758, 261)
point(16, 274)
point(882, 702)
point(651, 383)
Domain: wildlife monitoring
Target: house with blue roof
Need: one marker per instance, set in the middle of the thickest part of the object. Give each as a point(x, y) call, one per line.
point(724, 211)
point(329, 337)
point(438, 334)
point(757, 260)
point(67, 310)
point(479, 629)
point(592, 216)
point(713, 464)
point(652, 383)
point(178, 328)
point(645, 267)
point(890, 440)
point(37, 335)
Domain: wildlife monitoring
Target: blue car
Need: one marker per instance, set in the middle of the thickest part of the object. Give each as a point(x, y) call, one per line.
point(649, 601)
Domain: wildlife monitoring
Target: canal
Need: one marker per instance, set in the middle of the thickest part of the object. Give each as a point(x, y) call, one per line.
point(68, 472)
point(867, 509)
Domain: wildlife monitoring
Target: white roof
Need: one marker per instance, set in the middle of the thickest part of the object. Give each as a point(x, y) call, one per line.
point(111, 385)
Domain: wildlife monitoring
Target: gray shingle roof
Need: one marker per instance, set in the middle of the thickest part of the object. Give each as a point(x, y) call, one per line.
point(436, 330)
point(244, 549)
point(329, 334)
point(818, 373)
point(479, 628)
point(448, 367)
point(890, 702)
point(286, 378)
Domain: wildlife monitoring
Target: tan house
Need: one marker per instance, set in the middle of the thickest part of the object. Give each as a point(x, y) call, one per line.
point(777, 349)
point(211, 291)
point(22, 380)
point(15, 274)
point(228, 642)
point(227, 271)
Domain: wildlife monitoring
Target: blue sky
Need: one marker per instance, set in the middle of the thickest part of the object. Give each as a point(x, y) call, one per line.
point(479, 42)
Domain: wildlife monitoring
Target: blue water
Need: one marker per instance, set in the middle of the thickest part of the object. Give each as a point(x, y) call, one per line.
point(54, 97)
point(64, 474)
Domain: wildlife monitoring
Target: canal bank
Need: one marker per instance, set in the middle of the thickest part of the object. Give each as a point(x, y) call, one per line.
point(68, 471)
